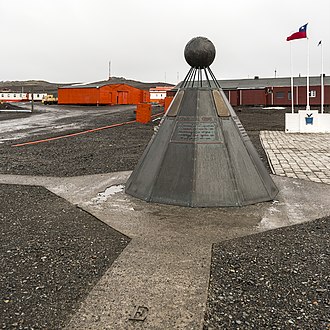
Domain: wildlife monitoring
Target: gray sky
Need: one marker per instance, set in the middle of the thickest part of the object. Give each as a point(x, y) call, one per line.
point(74, 40)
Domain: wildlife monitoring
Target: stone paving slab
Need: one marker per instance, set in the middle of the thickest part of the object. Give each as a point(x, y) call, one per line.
point(297, 155)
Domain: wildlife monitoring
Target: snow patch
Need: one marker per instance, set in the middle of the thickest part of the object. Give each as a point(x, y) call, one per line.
point(103, 196)
point(15, 110)
point(274, 108)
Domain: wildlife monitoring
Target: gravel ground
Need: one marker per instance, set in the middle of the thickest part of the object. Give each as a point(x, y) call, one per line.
point(274, 280)
point(51, 255)
point(109, 150)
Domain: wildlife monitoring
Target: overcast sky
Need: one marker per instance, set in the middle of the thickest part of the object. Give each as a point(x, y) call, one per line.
point(74, 40)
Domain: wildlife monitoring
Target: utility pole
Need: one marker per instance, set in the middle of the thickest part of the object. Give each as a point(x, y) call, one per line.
point(109, 70)
point(32, 99)
point(31, 89)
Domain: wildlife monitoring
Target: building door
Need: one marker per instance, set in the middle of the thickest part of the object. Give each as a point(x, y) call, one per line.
point(122, 97)
point(268, 96)
point(239, 97)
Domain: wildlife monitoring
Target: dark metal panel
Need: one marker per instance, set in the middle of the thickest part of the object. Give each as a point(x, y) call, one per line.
point(214, 185)
point(175, 105)
point(205, 105)
point(189, 103)
point(235, 118)
point(142, 179)
point(175, 180)
point(248, 181)
point(264, 175)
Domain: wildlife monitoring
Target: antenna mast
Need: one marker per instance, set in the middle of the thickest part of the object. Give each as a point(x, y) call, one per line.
point(109, 70)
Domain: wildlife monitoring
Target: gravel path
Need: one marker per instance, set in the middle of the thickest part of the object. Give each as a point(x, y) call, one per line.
point(274, 280)
point(52, 253)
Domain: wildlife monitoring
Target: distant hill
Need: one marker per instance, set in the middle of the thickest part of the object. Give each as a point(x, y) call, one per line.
point(27, 86)
point(42, 86)
point(136, 83)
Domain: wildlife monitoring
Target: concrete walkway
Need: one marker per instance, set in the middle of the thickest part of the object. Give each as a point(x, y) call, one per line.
point(161, 279)
point(297, 155)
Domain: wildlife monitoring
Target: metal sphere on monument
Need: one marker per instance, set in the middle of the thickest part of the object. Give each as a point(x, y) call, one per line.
point(199, 52)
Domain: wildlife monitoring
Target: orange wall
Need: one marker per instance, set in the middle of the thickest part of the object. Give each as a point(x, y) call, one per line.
point(143, 113)
point(78, 95)
point(167, 102)
point(109, 94)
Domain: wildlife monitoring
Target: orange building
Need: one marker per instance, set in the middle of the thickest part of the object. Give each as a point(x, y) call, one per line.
point(103, 93)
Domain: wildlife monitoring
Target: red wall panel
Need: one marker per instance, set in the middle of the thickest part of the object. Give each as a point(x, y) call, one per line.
point(109, 94)
point(253, 97)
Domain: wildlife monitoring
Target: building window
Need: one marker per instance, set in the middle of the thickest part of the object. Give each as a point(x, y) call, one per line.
point(279, 95)
point(289, 96)
point(312, 93)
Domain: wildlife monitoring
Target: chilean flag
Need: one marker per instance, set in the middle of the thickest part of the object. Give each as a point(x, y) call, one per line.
point(301, 34)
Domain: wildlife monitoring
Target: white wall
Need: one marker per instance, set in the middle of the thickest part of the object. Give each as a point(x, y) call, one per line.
point(16, 97)
point(157, 95)
point(307, 122)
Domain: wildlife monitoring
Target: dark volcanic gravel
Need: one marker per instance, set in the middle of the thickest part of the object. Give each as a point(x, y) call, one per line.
point(51, 255)
point(273, 280)
point(109, 150)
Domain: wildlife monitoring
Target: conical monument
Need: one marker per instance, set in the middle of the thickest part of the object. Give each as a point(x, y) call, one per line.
point(201, 155)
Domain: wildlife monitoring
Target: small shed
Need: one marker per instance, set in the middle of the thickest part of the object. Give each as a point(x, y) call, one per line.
point(103, 93)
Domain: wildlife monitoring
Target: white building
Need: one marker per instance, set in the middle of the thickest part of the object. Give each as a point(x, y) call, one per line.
point(6, 96)
point(158, 93)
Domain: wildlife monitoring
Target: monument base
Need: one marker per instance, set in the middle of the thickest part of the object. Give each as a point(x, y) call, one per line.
point(307, 121)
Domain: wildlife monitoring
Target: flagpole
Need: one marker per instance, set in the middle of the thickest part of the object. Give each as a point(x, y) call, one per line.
point(322, 81)
point(307, 87)
point(292, 98)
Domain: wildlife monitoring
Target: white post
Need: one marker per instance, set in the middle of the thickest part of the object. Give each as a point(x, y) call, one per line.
point(307, 87)
point(297, 92)
point(322, 81)
point(292, 100)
